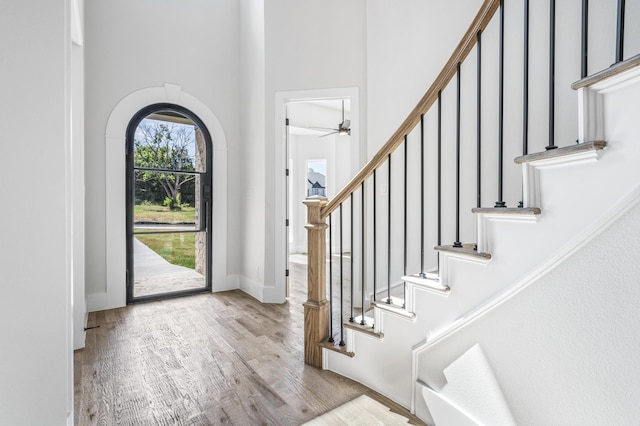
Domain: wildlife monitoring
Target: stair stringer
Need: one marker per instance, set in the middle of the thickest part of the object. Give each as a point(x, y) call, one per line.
point(578, 202)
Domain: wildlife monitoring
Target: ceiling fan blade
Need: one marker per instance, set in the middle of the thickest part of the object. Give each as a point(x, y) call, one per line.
point(328, 134)
point(346, 124)
point(323, 128)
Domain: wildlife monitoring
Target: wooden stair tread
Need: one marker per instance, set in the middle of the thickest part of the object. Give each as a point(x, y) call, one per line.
point(561, 152)
point(395, 301)
point(466, 249)
point(396, 307)
point(429, 280)
point(508, 210)
point(367, 328)
point(334, 346)
point(614, 69)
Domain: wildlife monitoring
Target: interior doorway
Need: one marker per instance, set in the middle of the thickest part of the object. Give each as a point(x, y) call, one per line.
point(319, 154)
point(168, 169)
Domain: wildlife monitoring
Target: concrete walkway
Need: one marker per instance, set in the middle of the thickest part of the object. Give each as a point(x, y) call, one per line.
point(154, 275)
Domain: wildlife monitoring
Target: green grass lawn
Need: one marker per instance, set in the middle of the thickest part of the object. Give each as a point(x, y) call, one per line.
point(176, 248)
point(162, 214)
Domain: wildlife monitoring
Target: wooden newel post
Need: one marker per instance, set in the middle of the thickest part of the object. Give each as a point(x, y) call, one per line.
point(316, 308)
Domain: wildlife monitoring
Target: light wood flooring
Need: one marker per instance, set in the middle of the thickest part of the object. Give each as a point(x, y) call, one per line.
point(220, 358)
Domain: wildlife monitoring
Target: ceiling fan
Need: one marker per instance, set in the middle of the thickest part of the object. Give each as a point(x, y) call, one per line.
point(344, 128)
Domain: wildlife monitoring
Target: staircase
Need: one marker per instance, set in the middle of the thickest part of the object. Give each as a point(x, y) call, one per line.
point(444, 341)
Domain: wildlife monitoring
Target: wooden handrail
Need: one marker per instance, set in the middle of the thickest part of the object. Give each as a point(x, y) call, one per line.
point(482, 19)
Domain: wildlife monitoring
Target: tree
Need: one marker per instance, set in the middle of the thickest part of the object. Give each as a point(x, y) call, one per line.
point(165, 147)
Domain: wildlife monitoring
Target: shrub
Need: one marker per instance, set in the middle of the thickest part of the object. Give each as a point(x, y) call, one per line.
point(172, 203)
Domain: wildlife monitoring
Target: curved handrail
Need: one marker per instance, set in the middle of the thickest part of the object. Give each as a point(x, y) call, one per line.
point(480, 22)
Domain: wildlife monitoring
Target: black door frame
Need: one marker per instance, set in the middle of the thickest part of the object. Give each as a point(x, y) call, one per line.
point(205, 192)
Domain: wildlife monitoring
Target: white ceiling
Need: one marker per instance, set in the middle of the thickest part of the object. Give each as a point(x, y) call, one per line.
point(327, 113)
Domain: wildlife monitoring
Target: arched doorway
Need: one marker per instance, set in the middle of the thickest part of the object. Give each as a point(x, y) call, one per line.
point(168, 203)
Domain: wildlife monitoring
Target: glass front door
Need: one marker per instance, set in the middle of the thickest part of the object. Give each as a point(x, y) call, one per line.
point(169, 205)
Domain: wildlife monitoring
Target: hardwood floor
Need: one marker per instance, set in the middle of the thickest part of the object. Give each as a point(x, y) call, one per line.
point(220, 358)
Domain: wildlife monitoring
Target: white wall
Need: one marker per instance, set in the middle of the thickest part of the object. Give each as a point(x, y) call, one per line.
point(77, 173)
point(248, 203)
point(35, 309)
point(134, 46)
point(408, 42)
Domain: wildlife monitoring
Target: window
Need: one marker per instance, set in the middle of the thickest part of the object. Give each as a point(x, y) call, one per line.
point(317, 178)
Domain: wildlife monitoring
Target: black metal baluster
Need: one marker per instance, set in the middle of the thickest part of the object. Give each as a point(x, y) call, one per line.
point(422, 274)
point(439, 170)
point(362, 321)
point(389, 234)
point(620, 32)
point(330, 284)
point(375, 265)
point(457, 242)
point(352, 317)
point(500, 202)
point(552, 75)
point(584, 70)
point(525, 88)
point(525, 83)
point(341, 284)
point(404, 270)
point(479, 124)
